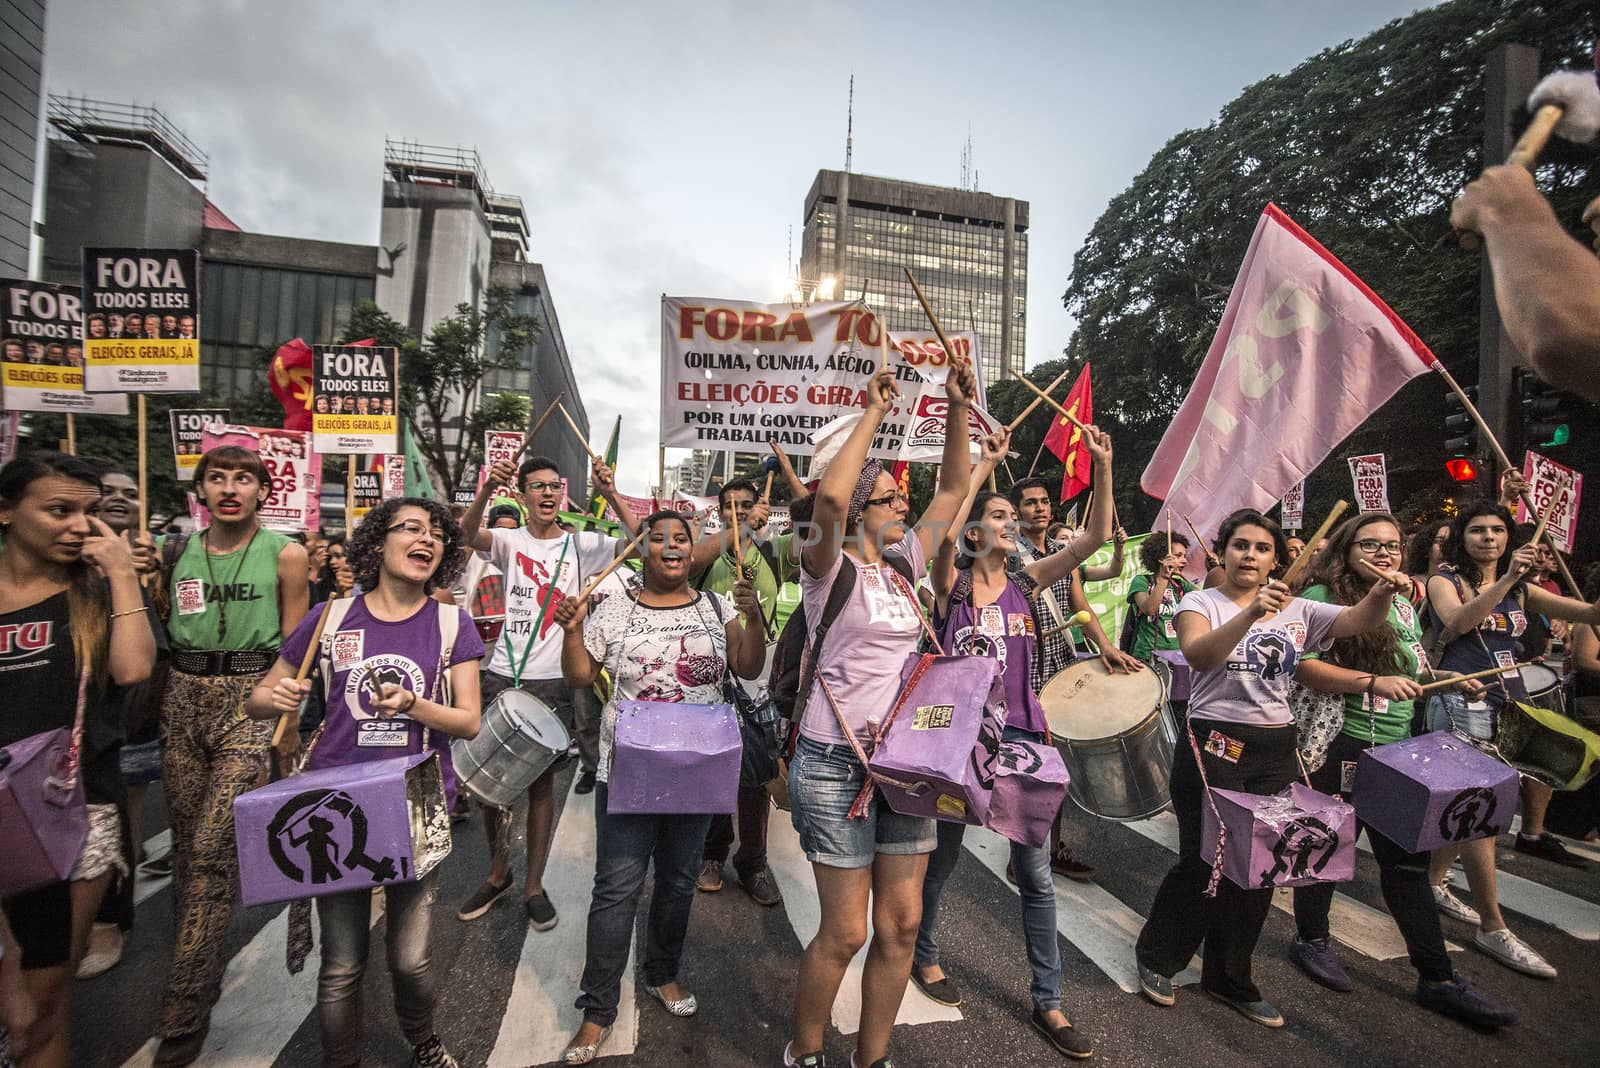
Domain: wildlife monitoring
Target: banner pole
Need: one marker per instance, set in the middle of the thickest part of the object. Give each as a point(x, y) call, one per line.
point(72, 436)
point(349, 495)
point(144, 459)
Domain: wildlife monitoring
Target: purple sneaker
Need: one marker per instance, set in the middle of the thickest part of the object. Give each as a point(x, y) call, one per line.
point(1314, 956)
point(1457, 999)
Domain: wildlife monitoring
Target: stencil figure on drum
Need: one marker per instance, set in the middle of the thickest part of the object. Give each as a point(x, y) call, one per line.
point(542, 565)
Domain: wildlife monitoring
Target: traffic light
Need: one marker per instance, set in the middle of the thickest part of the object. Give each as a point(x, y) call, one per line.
point(1461, 469)
point(1461, 433)
point(1544, 411)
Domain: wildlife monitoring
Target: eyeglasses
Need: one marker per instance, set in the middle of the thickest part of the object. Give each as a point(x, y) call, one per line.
point(542, 487)
point(1370, 546)
point(416, 528)
point(890, 499)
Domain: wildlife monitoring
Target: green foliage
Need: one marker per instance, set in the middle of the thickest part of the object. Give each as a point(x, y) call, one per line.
point(1365, 145)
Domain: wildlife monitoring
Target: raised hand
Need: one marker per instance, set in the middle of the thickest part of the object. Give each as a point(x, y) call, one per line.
point(288, 694)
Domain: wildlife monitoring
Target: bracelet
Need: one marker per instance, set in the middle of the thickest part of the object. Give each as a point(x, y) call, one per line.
point(129, 612)
point(406, 711)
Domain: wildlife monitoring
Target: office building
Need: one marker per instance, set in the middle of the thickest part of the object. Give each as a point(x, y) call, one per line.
point(969, 251)
point(21, 74)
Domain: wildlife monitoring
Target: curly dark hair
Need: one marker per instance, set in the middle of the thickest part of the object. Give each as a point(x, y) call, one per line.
point(1420, 547)
point(1376, 652)
point(1154, 549)
point(365, 549)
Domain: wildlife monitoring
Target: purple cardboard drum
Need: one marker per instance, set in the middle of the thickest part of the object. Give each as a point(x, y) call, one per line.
point(1292, 838)
point(939, 758)
point(1030, 783)
point(340, 829)
point(1177, 674)
point(674, 758)
point(43, 824)
point(1432, 791)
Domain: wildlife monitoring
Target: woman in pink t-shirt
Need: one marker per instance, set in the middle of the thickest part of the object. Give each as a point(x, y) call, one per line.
point(859, 527)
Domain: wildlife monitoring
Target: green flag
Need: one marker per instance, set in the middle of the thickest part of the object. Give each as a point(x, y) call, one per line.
point(597, 506)
point(418, 484)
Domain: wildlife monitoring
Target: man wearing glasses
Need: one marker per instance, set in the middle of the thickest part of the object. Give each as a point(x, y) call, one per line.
point(543, 565)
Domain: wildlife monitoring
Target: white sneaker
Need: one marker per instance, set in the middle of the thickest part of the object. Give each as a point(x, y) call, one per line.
point(1514, 953)
point(1451, 905)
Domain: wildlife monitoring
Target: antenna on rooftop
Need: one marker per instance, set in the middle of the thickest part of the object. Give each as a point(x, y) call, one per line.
point(849, 123)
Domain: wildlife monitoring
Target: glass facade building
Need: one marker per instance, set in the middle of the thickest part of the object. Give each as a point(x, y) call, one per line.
point(968, 250)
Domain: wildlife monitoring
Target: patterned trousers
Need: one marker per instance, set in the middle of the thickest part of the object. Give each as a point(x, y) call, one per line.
point(211, 752)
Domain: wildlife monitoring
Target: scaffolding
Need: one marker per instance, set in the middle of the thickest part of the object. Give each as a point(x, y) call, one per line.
point(89, 122)
point(458, 168)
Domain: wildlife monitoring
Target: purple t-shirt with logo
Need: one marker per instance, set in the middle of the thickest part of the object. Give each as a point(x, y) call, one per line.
point(366, 652)
point(1004, 631)
point(1252, 685)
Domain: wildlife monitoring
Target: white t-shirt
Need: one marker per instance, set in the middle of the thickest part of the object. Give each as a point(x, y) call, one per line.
point(657, 654)
point(528, 564)
point(1252, 685)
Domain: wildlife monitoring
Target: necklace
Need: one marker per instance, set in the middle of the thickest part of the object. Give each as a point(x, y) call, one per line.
point(222, 602)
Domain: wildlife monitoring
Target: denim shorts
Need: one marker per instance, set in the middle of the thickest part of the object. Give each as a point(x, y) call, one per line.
point(1451, 709)
point(823, 783)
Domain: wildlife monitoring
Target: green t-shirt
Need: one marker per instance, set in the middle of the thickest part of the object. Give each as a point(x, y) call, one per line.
point(241, 585)
point(1160, 632)
point(1391, 721)
point(721, 575)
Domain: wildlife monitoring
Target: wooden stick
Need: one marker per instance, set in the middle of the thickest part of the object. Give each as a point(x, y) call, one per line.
point(576, 432)
point(1544, 521)
point(72, 436)
point(1306, 554)
point(661, 470)
point(1525, 153)
point(1078, 619)
point(305, 668)
point(349, 494)
point(1169, 533)
point(527, 442)
point(144, 464)
point(588, 590)
point(1074, 420)
point(738, 550)
point(949, 349)
point(883, 342)
point(1205, 546)
point(1051, 388)
point(766, 494)
point(1485, 673)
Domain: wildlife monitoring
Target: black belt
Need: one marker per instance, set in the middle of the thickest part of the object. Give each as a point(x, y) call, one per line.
point(223, 661)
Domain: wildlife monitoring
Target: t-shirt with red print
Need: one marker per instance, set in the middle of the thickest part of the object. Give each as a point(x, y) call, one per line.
point(532, 567)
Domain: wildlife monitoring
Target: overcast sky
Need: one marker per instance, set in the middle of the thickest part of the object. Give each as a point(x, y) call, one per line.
point(668, 147)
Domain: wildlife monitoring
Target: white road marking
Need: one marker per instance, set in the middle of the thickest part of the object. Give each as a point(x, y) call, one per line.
point(144, 886)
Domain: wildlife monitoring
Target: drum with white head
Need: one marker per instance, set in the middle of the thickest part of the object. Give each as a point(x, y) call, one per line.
point(1115, 737)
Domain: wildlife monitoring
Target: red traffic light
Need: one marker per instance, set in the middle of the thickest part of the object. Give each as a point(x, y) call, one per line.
point(1461, 469)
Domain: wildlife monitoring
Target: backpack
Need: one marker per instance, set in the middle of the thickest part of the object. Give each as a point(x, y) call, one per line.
point(785, 684)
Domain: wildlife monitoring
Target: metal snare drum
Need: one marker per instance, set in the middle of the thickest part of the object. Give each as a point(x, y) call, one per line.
point(517, 741)
point(1115, 736)
point(489, 627)
point(1543, 686)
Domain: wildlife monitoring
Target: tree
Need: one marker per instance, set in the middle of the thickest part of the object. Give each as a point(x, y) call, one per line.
point(441, 376)
point(1366, 145)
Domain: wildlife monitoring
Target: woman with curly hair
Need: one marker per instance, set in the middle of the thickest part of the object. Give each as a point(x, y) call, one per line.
point(1377, 673)
point(404, 661)
point(1425, 552)
point(1156, 593)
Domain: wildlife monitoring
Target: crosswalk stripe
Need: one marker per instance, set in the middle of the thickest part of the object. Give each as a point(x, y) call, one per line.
point(1353, 923)
point(144, 886)
point(1099, 925)
point(262, 1005)
point(793, 872)
point(540, 1017)
point(1575, 916)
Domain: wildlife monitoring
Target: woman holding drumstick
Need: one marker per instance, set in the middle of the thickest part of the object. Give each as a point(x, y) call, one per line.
point(1243, 640)
point(1377, 673)
point(1480, 598)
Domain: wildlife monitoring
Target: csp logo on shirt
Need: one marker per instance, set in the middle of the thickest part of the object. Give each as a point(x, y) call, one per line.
point(365, 681)
point(1269, 654)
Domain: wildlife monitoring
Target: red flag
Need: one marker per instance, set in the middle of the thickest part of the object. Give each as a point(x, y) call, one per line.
point(900, 471)
point(1066, 440)
point(290, 377)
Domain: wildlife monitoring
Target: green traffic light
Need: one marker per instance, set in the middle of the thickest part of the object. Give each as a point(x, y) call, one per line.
point(1560, 435)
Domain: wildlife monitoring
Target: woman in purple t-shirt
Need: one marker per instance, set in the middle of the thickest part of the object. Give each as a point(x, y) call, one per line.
point(386, 658)
point(1243, 640)
point(859, 523)
point(981, 609)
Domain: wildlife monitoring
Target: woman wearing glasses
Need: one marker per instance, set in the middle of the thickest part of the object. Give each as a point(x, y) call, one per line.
point(400, 664)
point(1377, 673)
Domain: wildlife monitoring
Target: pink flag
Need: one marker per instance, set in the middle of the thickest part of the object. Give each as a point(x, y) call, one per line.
point(1304, 354)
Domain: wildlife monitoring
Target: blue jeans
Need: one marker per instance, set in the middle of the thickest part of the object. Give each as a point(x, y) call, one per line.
point(1038, 890)
point(624, 848)
point(1450, 710)
point(346, 921)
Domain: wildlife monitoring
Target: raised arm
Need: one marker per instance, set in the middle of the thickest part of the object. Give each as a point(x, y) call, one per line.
point(747, 635)
point(501, 473)
point(131, 647)
point(1101, 519)
point(579, 668)
point(1556, 606)
point(839, 481)
point(955, 473)
point(797, 489)
point(1102, 572)
point(605, 481)
point(1461, 617)
point(1372, 611)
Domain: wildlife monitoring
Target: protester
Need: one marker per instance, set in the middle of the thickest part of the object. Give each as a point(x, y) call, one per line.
point(1114, 567)
point(982, 610)
point(1425, 553)
point(767, 565)
point(234, 590)
point(1378, 673)
point(337, 578)
point(70, 583)
point(1480, 598)
point(543, 566)
point(1155, 594)
point(403, 548)
point(1242, 640)
point(667, 642)
point(861, 531)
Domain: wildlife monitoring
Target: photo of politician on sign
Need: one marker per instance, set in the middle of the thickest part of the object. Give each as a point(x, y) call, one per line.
point(141, 311)
point(354, 399)
point(41, 352)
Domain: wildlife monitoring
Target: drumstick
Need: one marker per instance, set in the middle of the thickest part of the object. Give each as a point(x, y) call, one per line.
point(576, 432)
point(1211, 557)
point(766, 494)
point(1442, 683)
point(949, 349)
point(305, 668)
point(588, 591)
point(1051, 388)
point(883, 344)
point(1544, 520)
point(738, 550)
point(1047, 399)
point(1078, 619)
point(1304, 560)
point(527, 441)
